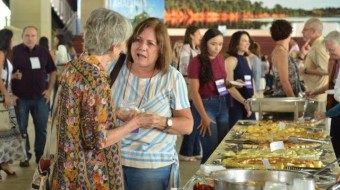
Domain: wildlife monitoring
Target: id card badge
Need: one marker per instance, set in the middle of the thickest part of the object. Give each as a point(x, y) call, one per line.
point(222, 90)
point(247, 81)
point(35, 63)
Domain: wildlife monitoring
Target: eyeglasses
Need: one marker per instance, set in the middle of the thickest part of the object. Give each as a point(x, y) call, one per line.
point(332, 50)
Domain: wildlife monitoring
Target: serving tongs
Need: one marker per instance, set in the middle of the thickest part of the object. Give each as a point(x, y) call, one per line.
point(325, 167)
point(314, 123)
point(241, 141)
point(294, 139)
point(335, 186)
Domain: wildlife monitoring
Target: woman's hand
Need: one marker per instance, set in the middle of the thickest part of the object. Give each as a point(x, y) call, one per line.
point(247, 108)
point(204, 127)
point(125, 115)
point(149, 121)
point(7, 102)
point(319, 115)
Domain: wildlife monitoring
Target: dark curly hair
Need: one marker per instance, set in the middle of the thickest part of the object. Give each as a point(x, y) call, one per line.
point(205, 67)
point(280, 29)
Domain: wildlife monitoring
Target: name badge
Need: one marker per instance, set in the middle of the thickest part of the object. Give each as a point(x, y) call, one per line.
point(276, 145)
point(247, 81)
point(222, 90)
point(35, 63)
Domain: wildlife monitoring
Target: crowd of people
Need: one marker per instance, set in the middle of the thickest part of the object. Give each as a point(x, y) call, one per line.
point(124, 135)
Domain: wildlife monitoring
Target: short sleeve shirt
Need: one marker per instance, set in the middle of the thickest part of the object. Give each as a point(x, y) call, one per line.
point(35, 65)
point(208, 89)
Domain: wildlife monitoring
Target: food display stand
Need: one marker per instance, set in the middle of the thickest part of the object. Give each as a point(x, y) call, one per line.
point(283, 172)
point(288, 104)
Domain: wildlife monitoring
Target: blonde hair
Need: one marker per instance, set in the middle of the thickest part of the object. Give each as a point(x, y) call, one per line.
point(175, 52)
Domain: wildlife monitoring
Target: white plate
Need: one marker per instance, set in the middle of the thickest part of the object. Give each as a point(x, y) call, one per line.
point(330, 91)
point(235, 83)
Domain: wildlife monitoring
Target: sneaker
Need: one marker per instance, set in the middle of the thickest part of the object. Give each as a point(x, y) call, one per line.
point(24, 164)
point(187, 158)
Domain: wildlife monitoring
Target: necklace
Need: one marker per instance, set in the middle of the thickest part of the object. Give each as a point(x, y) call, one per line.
point(146, 87)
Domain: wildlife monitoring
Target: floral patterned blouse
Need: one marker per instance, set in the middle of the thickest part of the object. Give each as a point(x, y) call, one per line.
point(85, 113)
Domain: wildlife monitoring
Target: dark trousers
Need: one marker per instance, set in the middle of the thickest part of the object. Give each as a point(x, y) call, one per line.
point(191, 145)
point(39, 112)
point(335, 134)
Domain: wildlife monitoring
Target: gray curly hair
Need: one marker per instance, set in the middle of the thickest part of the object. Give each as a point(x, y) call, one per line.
point(333, 36)
point(105, 28)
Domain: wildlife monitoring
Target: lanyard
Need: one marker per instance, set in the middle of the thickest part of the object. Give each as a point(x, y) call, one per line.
point(146, 87)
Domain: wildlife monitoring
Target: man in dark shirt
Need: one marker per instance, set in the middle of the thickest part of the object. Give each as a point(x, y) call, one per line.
point(34, 89)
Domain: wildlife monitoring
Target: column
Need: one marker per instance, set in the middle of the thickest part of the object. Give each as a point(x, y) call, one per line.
point(32, 13)
point(87, 6)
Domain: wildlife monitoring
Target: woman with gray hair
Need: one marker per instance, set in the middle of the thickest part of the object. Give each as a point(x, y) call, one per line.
point(332, 44)
point(88, 152)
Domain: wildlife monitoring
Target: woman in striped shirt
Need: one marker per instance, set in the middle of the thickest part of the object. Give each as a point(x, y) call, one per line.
point(148, 85)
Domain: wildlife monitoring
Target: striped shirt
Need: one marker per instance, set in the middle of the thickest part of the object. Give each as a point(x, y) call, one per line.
point(150, 148)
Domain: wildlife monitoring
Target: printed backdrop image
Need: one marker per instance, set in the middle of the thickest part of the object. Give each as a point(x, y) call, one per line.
point(247, 14)
point(138, 10)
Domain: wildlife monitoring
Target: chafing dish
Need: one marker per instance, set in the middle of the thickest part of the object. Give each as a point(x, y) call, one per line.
point(288, 104)
point(243, 179)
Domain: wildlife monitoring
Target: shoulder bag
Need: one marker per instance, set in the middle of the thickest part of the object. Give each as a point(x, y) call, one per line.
point(115, 71)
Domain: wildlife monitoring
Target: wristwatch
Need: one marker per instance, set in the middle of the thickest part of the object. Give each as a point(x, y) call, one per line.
point(169, 124)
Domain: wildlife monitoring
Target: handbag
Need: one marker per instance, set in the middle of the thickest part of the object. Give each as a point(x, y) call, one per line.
point(42, 178)
point(7, 118)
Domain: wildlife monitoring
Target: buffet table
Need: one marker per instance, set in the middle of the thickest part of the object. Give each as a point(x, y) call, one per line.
point(216, 159)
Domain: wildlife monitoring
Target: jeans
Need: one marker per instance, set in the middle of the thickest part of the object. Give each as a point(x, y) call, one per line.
point(191, 143)
point(39, 110)
point(147, 178)
point(217, 110)
point(269, 81)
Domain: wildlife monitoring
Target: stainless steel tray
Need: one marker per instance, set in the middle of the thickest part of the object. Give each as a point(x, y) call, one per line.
point(288, 104)
point(241, 179)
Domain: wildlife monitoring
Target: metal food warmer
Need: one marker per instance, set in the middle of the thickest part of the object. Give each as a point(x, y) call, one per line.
point(287, 104)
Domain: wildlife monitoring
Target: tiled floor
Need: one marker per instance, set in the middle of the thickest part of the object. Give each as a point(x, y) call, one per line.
point(23, 176)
